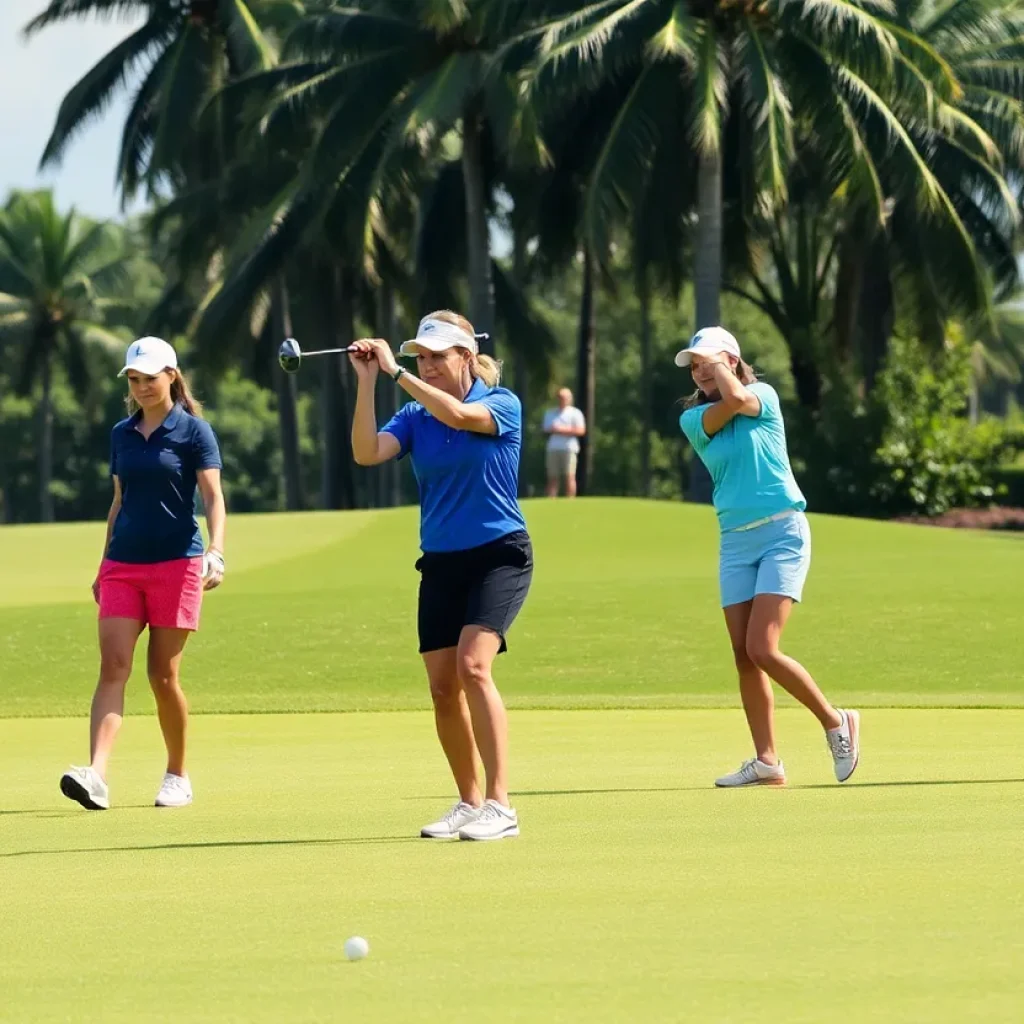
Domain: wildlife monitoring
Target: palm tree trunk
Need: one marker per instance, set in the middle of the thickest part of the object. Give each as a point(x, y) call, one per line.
point(346, 332)
point(708, 272)
point(875, 313)
point(46, 443)
point(849, 278)
point(481, 284)
point(804, 367)
point(287, 397)
point(586, 366)
point(707, 283)
point(645, 384)
point(336, 486)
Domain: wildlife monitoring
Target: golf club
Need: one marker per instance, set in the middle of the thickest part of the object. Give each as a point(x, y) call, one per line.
point(290, 356)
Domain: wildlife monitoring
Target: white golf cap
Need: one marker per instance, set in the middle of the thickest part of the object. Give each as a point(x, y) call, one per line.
point(439, 336)
point(709, 341)
point(149, 356)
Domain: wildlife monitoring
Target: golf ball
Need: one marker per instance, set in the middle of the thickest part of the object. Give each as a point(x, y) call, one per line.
point(356, 948)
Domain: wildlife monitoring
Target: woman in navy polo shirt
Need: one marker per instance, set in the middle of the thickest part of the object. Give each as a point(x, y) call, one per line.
point(153, 570)
point(464, 435)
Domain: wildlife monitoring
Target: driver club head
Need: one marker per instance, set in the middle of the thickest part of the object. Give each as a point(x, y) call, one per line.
point(289, 355)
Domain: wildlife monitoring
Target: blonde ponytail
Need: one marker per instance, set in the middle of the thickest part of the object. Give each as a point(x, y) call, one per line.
point(486, 369)
point(481, 367)
point(181, 394)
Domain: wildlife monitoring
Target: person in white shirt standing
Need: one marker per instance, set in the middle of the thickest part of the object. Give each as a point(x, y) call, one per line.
point(564, 427)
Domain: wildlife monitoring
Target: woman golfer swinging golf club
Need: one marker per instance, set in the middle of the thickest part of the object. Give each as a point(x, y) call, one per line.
point(464, 434)
point(153, 570)
point(735, 425)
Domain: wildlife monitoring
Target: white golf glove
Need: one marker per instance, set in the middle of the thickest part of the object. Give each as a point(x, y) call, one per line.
point(213, 569)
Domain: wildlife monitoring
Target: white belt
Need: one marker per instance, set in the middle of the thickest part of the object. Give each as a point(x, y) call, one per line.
point(763, 522)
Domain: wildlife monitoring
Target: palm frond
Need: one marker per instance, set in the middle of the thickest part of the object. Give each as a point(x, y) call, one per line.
point(575, 52)
point(676, 37)
point(140, 125)
point(90, 96)
point(185, 86)
point(709, 92)
point(768, 107)
point(351, 32)
point(245, 40)
point(443, 94)
point(64, 10)
point(625, 157)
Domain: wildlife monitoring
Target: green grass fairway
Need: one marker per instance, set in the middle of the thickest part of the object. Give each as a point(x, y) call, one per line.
point(635, 893)
point(318, 614)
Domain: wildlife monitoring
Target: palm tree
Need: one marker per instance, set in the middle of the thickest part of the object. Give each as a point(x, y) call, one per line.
point(737, 78)
point(59, 275)
point(184, 52)
point(381, 77)
point(948, 220)
point(725, 83)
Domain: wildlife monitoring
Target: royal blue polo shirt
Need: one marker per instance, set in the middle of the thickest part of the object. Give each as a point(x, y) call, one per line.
point(157, 521)
point(468, 482)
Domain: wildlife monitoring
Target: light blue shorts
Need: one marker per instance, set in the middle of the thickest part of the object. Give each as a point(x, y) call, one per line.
point(769, 559)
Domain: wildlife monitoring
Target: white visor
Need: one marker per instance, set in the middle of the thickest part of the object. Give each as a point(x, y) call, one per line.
point(439, 336)
point(149, 356)
point(709, 341)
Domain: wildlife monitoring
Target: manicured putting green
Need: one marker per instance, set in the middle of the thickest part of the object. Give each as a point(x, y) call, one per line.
point(636, 892)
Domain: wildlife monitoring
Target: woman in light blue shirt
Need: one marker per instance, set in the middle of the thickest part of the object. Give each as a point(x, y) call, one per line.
point(735, 425)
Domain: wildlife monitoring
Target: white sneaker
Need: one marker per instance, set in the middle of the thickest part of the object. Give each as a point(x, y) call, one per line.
point(175, 791)
point(844, 743)
point(87, 787)
point(754, 773)
point(448, 826)
point(493, 822)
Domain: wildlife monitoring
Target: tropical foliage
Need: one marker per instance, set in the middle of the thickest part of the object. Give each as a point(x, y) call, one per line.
point(840, 180)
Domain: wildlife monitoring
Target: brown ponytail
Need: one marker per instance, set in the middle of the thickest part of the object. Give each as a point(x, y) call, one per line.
point(743, 370)
point(181, 394)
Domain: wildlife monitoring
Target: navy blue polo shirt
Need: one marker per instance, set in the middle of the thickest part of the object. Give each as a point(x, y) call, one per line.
point(157, 522)
point(468, 482)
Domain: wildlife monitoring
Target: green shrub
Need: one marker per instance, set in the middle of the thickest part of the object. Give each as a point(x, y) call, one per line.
point(907, 449)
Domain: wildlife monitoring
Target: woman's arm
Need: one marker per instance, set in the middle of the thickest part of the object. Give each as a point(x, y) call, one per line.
point(216, 520)
point(370, 447)
point(115, 507)
point(736, 400)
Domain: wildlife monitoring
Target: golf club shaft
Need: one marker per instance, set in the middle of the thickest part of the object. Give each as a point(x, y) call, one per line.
point(330, 351)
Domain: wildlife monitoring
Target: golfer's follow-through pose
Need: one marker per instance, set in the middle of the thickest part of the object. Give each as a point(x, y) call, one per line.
point(153, 570)
point(464, 436)
point(735, 425)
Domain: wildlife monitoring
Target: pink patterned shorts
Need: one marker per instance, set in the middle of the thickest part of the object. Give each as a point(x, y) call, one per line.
point(167, 595)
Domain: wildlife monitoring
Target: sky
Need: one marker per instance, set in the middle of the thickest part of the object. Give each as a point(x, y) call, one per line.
point(34, 76)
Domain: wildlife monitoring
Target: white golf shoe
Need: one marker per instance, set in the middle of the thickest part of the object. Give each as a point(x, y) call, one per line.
point(85, 786)
point(175, 791)
point(493, 822)
point(754, 773)
point(844, 744)
point(448, 826)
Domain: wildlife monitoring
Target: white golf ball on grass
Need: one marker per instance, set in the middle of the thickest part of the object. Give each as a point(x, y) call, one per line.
point(356, 948)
